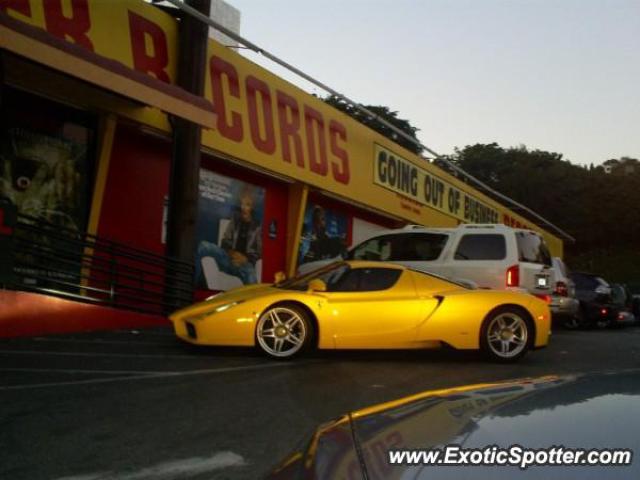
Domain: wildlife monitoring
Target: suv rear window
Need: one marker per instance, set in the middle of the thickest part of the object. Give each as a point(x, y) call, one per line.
point(532, 249)
point(585, 281)
point(481, 247)
point(401, 247)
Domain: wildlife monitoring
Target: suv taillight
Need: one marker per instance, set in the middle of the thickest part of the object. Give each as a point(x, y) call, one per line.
point(561, 289)
point(513, 276)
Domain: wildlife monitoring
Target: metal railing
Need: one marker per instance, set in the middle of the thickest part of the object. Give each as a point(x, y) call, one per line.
point(59, 261)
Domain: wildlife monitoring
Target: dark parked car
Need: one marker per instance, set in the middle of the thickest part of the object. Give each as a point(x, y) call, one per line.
point(623, 302)
point(594, 293)
point(590, 412)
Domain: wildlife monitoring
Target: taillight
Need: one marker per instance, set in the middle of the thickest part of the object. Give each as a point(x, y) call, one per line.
point(545, 298)
point(603, 312)
point(513, 276)
point(561, 289)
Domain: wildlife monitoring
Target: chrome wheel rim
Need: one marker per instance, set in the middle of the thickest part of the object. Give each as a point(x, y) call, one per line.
point(281, 332)
point(507, 335)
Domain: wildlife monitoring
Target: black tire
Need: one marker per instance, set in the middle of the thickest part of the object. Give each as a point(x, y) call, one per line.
point(573, 322)
point(284, 331)
point(517, 328)
point(579, 320)
point(601, 324)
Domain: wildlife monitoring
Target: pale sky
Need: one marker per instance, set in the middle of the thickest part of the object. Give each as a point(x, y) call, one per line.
point(557, 75)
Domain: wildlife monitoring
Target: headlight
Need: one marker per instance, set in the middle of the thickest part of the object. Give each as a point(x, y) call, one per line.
point(218, 309)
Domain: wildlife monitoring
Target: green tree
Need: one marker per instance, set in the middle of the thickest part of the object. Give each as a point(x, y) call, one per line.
point(371, 122)
point(601, 211)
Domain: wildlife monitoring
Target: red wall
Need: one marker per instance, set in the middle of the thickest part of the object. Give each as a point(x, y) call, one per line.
point(27, 314)
point(138, 182)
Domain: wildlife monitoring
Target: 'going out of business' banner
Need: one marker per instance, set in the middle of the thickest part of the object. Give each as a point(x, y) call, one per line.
point(404, 177)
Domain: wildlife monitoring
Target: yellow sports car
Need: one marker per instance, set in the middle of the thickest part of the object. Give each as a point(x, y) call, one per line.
point(357, 305)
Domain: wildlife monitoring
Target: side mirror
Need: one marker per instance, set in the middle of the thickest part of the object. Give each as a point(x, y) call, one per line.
point(317, 285)
point(279, 277)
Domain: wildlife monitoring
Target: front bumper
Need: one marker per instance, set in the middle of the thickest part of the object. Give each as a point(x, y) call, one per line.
point(186, 330)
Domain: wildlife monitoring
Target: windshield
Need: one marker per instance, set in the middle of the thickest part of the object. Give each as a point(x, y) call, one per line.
point(329, 274)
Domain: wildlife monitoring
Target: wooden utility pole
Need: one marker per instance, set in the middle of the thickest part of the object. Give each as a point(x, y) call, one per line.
point(185, 161)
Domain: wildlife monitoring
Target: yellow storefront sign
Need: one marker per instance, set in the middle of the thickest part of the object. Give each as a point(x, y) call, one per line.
point(400, 175)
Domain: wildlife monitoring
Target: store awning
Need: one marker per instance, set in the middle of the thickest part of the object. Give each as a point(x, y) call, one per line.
point(39, 46)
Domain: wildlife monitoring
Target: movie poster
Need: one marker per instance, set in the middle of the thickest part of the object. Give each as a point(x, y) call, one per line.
point(45, 174)
point(324, 234)
point(228, 233)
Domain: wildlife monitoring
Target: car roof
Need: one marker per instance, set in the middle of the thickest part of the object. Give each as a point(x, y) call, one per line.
point(498, 227)
point(586, 274)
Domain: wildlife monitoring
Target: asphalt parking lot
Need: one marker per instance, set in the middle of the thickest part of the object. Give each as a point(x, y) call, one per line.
point(138, 404)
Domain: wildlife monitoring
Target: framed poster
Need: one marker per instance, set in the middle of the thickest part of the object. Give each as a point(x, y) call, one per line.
point(324, 234)
point(46, 172)
point(228, 232)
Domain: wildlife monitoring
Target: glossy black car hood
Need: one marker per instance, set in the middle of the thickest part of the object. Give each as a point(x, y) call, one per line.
point(595, 411)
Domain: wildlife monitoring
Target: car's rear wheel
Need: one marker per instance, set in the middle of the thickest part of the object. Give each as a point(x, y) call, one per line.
point(284, 331)
point(575, 321)
point(506, 334)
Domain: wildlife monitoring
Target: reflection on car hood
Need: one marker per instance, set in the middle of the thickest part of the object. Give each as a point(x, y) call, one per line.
point(235, 295)
point(594, 411)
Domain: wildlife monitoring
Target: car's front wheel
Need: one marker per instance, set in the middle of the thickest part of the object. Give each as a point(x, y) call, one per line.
point(506, 334)
point(284, 331)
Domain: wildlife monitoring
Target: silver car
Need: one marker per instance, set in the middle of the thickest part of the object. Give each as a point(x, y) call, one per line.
point(564, 304)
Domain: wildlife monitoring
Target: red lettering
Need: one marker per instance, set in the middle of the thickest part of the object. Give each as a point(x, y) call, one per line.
point(154, 63)
point(268, 145)
point(289, 127)
point(219, 68)
point(314, 123)
point(339, 170)
point(74, 27)
point(20, 6)
point(4, 229)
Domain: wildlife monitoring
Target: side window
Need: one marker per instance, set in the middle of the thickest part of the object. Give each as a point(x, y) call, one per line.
point(375, 249)
point(401, 247)
point(481, 247)
point(417, 247)
point(366, 280)
point(584, 282)
point(563, 268)
point(532, 249)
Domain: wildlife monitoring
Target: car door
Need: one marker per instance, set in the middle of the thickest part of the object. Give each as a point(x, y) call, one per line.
point(374, 308)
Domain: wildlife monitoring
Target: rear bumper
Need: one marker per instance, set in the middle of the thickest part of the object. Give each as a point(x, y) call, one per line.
point(564, 306)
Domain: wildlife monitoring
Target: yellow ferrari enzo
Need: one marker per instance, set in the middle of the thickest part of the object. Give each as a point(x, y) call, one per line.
point(374, 305)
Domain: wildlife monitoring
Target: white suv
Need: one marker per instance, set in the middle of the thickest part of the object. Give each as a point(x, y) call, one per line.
point(490, 256)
